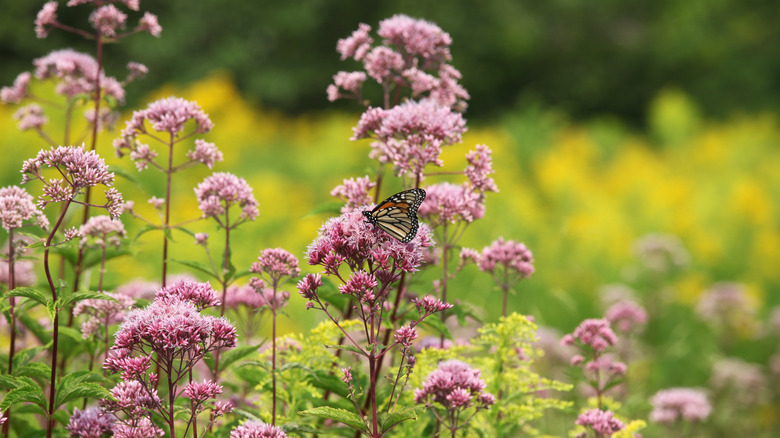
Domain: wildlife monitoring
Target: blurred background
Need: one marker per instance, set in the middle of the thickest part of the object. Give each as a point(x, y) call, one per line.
point(613, 124)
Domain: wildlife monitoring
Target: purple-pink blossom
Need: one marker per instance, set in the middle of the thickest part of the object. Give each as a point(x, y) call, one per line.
point(276, 263)
point(601, 422)
point(479, 168)
point(410, 135)
point(18, 91)
point(405, 336)
point(31, 117)
point(256, 429)
point(354, 191)
point(202, 391)
point(205, 153)
point(357, 45)
point(451, 203)
point(16, 206)
point(512, 256)
point(453, 385)
point(627, 316)
point(222, 190)
point(101, 232)
point(91, 422)
point(107, 20)
point(593, 333)
point(149, 23)
point(46, 19)
point(199, 294)
point(76, 73)
point(101, 312)
point(671, 405)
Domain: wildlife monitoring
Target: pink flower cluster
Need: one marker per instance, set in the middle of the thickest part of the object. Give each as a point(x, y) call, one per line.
point(745, 383)
point(627, 316)
point(355, 192)
point(76, 73)
point(24, 273)
point(455, 386)
point(350, 239)
point(414, 54)
point(79, 169)
point(276, 263)
point(102, 231)
point(137, 403)
point(102, 312)
point(106, 19)
point(671, 405)
point(410, 135)
point(199, 294)
point(595, 334)
point(602, 423)
point(727, 305)
point(513, 257)
point(222, 190)
point(256, 429)
point(92, 422)
point(16, 206)
point(447, 203)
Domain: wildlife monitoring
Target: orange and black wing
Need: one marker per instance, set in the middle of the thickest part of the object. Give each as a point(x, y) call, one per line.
point(397, 215)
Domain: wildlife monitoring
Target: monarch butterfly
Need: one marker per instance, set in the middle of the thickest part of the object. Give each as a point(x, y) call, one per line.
point(397, 215)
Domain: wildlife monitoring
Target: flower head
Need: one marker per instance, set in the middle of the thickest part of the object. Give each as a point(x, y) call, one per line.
point(354, 191)
point(46, 19)
point(627, 316)
point(451, 203)
point(18, 91)
point(670, 405)
point(149, 23)
point(205, 153)
point(661, 253)
point(512, 256)
point(255, 429)
point(16, 206)
point(102, 231)
point(410, 135)
point(480, 166)
point(276, 263)
point(602, 422)
point(199, 294)
point(92, 422)
point(107, 19)
point(454, 385)
point(202, 391)
point(593, 333)
point(100, 312)
point(220, 191)
point(31, 117)
point(76, 74)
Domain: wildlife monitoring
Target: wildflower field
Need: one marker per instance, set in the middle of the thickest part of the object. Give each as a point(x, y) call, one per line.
point(203, 265)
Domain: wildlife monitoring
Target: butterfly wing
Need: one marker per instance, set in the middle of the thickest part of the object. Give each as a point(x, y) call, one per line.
point(397, 215)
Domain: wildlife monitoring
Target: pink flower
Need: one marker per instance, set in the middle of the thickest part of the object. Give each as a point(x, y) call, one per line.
point(727, 305)
point(628, 316)
point(16, 206)
point(168, 115)
point(453, 385)
point(205, 153)
point(19, 90)
point(24, 273)
point(674, 404)
point(47, 17)
point(355, 192)
point(199, 294)
point(255, 429)
point(601, 422)
point(428, 305)
point(77, 73)
point(383, 64)
point(137, 428)
point(107, 19)
point(277, 263)
point(201, 239)
point(138, 289)
point(351, 82)
point(150, 24)
point(136, 71)
point(451, 203)
point(220, 191)
point(31, 117)
point(594, 333)
point(200, 392)
point(357, 45)
point(405, 336)
point(417, 38)
point(480, 166)
point(410, 135)
point(308, 286)
point(510, 255)
point(100, 312)
point(92, 422)
point(103, 231)
point(745, 383)
point(243, 296)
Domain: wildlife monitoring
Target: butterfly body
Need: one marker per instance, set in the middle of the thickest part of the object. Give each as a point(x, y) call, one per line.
point(397, 215)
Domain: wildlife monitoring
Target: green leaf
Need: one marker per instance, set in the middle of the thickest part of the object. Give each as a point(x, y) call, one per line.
point(465, 310)
point(83, 295)
point(23, 357)
point(93, 258)
point(342, 416)
point(346, 347)
point(435, 324)
point(35, 370)
point(388, 421)
point(231, 356)
point(329, 382)
point(32, 294)
point(198, 266)
point(78, 385)
point(24, 394)
point(124, 173)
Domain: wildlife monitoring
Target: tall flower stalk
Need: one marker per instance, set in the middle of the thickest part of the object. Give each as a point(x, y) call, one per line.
point(167, 118)
point(275, 266)
point(375, 263)
point(78, 170)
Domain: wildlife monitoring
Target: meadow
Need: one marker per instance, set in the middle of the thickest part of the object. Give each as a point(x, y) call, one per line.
point(678, 219)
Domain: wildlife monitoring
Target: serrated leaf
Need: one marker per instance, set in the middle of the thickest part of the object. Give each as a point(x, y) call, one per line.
point(24, 394)
point(342, 416)
point(23, 357)
point(435, 324)
point(231, 356)
point(83, 390)
point(329, 382)
point(34, 370)
point(32, 294)
point(350, 348)
point(389, 420)
point(83, 295)
point(197, 266)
